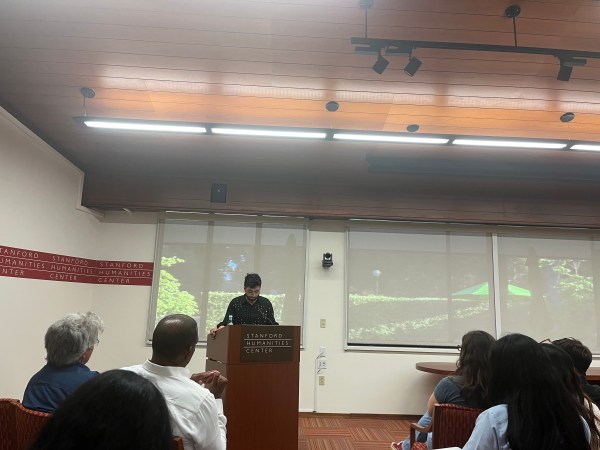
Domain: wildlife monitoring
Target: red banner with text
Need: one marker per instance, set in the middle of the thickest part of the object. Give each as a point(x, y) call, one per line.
point(22, 263)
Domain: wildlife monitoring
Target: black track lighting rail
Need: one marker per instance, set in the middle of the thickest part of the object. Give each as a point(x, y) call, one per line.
point(404, 47)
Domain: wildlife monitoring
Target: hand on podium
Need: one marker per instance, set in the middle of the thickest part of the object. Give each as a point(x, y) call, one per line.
point(211, 380)
point(213, 332)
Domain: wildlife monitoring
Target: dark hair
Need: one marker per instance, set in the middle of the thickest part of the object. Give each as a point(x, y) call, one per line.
point(117, 410)
point(563, 364)
point(579, 353)
point(542, 413)
point(252, 280)
point(473, 366)
point(174, 334)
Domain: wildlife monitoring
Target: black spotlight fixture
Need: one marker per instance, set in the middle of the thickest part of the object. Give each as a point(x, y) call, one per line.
point(327, 259)
point(380, 64)
point(413, 65)
point(566, 67)
point(564, 72)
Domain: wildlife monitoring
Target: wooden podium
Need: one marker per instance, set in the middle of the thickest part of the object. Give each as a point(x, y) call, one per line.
point(262, 364)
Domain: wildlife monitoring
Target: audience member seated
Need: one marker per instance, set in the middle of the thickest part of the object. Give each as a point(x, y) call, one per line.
point(117, 410)
point(69, 344)
point(563, 364)
point(533, 407)
point(466, 387)
point(194, 401)
point(582, 358)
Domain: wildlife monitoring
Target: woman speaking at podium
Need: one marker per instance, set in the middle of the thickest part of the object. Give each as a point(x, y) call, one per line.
point(250, 308)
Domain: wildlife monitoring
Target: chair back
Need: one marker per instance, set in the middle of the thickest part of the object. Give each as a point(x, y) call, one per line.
point(28, 425)
point(8, 430)
point(177, 443)
point(452, 425)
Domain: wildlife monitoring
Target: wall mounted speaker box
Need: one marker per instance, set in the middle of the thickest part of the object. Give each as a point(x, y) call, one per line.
point(218, 193)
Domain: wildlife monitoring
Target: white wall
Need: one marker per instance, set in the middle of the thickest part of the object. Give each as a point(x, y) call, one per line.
point(39, 204)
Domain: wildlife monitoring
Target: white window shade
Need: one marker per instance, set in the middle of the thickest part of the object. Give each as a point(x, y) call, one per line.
point(402, 285)
point(201, 265)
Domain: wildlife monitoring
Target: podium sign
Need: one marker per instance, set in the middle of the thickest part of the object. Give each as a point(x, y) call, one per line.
point(262, 364)
point(267, 343)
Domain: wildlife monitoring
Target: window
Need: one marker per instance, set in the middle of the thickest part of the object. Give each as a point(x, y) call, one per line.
point(201, 265)
point(401, 285)
point(415, 288)
point(559, 277)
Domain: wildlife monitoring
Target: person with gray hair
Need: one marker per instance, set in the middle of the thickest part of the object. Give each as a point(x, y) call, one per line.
point(69, 344)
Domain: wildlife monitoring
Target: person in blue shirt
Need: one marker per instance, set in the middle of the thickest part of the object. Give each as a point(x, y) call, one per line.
point(117, 410)
point(466, 387)
point(69, 344)
point(534, 407)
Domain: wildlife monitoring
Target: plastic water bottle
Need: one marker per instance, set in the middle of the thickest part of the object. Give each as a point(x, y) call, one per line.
point(230, 320)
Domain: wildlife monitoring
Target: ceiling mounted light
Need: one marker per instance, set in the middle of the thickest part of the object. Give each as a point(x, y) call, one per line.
point(587, 147)
point(140, 125)
point(390, 138)
point(413, 65)
point(380, 64)
point(564, 73)
point(508, 143)
point(265, 132)
point(568, 58)
point(566, 67)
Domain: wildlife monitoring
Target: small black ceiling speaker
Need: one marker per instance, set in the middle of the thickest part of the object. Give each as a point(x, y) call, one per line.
point(218, 193)
point(327, 259)
point(332, 106)
point(567, 117)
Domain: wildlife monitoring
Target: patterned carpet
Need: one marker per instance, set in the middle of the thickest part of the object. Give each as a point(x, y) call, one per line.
point(350, 431)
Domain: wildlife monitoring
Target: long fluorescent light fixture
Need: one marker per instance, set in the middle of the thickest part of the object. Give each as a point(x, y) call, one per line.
point(509, 143)
point(389, 138)
point(588, 147)
point(321, 134)
point(258, 132)
point(140, 125)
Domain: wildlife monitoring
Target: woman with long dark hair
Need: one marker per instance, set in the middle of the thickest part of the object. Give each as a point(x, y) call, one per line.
point(565, 368)
point(534, 407)
point(467, 386)
point(117, 410)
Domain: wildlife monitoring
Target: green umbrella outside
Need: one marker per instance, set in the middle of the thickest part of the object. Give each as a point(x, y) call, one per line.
point(483, 289)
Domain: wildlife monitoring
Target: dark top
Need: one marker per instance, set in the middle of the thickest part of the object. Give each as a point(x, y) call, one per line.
point(260, 313)
point(592, 390)
point(48, 388)
point(448, 391)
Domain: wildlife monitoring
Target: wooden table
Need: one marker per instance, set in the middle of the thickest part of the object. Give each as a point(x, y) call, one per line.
point(446, 368)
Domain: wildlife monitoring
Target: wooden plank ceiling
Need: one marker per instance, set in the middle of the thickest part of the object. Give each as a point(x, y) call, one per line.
point(277, 62)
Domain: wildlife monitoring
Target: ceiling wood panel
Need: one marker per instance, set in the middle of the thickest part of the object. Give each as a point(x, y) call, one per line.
point(277, 62)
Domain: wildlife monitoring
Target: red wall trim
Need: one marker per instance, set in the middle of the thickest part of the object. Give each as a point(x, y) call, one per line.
point(23, 263)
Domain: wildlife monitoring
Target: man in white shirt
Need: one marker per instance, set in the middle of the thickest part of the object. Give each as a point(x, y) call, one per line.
point(194, 401)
